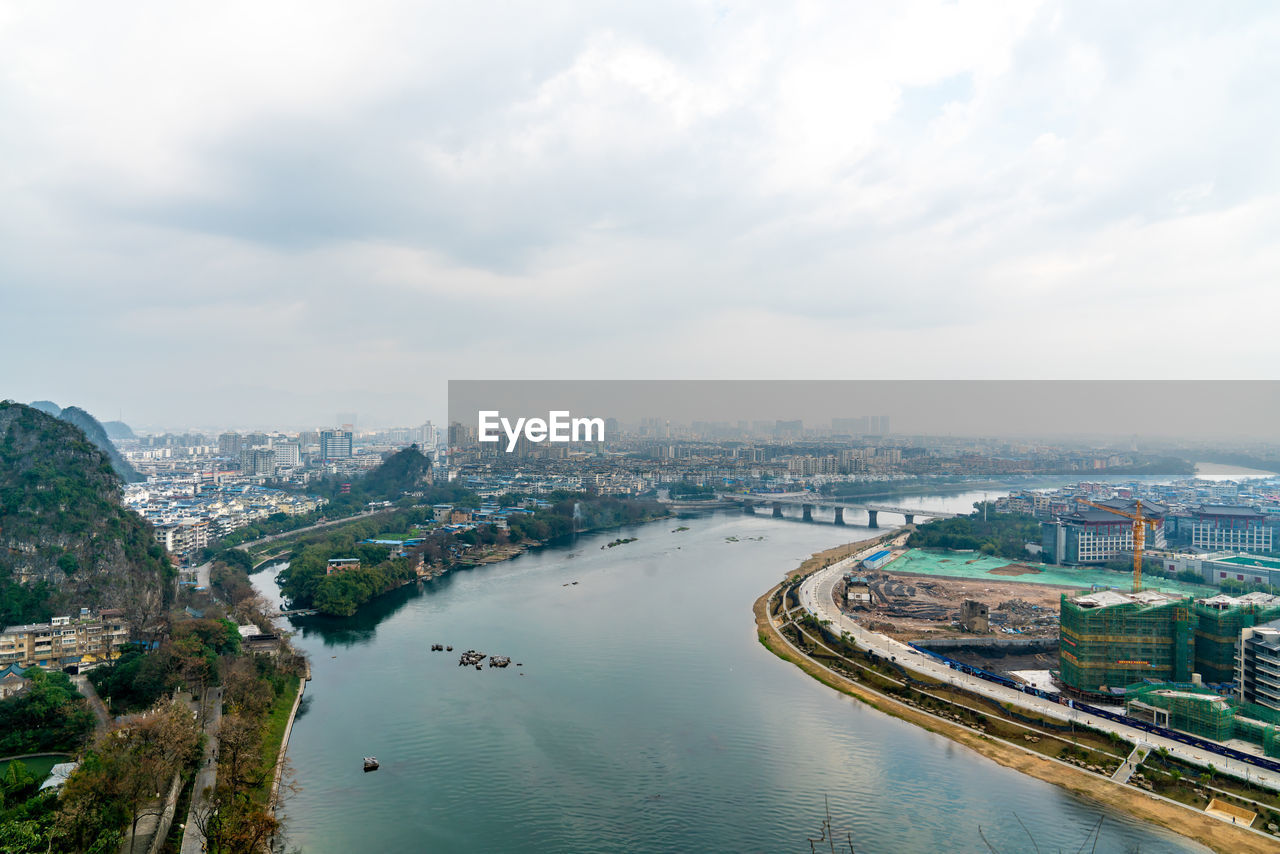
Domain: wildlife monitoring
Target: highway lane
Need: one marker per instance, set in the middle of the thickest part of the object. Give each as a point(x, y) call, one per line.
point(816, 596)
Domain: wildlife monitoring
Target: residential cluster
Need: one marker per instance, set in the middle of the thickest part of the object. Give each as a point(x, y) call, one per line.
point(636, 458)
point(64, 643)
point(189, 511)
point(258, 456)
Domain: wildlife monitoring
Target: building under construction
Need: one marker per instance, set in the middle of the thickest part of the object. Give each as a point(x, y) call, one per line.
point(1200, 711)
point(1111, 639)
point(1219, 621)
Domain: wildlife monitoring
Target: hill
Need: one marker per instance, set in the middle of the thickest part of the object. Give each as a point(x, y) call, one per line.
point(401, 472)
point(406, 470)
point(98, 436)
point(66, 541)
point(47, 406)
point(118, 430)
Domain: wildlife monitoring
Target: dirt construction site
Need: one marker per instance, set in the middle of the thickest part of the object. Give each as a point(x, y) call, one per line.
point(915, 607)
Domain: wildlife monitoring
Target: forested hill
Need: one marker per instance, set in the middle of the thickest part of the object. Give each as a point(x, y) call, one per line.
point(97, 434)
point(401, 472)
point(66, 541)
point(407, 470)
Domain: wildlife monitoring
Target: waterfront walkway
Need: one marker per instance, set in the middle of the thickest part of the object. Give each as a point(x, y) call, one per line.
point(816, 597)
point(206, 777)
point(1131, 763)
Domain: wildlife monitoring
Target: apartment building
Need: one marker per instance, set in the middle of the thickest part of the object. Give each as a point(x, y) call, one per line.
point(77, 641)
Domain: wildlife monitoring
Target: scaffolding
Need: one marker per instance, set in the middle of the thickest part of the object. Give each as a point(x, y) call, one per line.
point(1191, 708)
point(1218, 635)
point(1126, 641)
point(1203, 712)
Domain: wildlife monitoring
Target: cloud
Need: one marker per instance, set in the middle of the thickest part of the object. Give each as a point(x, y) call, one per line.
point(334, 204)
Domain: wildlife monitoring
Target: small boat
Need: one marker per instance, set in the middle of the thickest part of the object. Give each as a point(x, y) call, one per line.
point(448, 649)
point(371, 763)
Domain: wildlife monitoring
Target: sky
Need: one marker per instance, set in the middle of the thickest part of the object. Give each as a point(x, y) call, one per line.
point(262, 215)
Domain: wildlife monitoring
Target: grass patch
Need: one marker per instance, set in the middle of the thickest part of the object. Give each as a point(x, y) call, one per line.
point(277, 720)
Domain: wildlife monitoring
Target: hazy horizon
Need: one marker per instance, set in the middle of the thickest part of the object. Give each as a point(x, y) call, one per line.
point(224, 216)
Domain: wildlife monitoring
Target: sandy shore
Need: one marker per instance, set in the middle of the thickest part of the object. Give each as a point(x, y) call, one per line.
point(1191, 823)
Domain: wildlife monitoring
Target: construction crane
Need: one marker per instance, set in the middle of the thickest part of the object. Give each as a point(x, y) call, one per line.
point(1140, 524)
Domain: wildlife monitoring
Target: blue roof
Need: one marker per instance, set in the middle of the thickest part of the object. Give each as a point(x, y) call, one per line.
point(878, 554)
point(14, 669)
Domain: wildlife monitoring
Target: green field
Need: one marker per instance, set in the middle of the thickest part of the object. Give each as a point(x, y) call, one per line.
point(974, 565)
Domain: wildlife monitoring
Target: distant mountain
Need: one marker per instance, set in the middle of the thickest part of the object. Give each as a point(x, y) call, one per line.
point(97, 434)
point(118, 430)
point(66, 541)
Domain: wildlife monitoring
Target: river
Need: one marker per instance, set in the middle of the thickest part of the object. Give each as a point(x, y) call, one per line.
point(647, 718)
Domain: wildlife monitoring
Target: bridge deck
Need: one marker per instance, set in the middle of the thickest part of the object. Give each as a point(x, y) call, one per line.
point(822, 501)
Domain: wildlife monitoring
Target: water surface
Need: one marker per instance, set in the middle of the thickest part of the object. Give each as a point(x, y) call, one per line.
point(648, 718)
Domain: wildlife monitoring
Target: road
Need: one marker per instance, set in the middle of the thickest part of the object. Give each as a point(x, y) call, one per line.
point(192, 836)
point(273, 537)
point(816, 597)
point(202, 575)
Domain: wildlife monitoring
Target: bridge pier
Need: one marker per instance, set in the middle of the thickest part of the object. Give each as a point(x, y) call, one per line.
point(808, 512)
point(777, 509)
point(872, 520)
point(910, 517)
point(839, 515)
point(748, 509)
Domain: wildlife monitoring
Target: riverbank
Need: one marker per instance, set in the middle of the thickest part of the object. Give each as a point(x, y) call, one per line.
point(1193, 824)
point(483, 556)
point(278, 734)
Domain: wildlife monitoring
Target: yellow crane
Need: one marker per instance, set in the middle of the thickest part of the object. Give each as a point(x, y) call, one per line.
point(1140, 524)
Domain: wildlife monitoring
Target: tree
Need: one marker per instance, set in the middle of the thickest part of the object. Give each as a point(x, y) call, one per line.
point(49, 715)
point(142, 756)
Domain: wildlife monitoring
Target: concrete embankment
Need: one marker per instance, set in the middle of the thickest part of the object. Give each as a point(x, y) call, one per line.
point(1192, 823)
point(284, 740)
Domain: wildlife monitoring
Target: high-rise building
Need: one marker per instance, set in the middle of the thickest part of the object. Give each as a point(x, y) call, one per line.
point(287, 454)
point(879, 425)
point(255, 461)
point(461, 435)
point(1111, 640)
point(1257, 671)
point(229, 445)
point(335, 444)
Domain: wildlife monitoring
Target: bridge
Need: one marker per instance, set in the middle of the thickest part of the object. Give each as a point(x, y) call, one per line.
point(807, 502)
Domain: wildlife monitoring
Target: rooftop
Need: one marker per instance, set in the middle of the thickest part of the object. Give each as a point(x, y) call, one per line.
point(1252, 560)
point(1227, 510)
point(1110, 598)
point(1223, 602)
